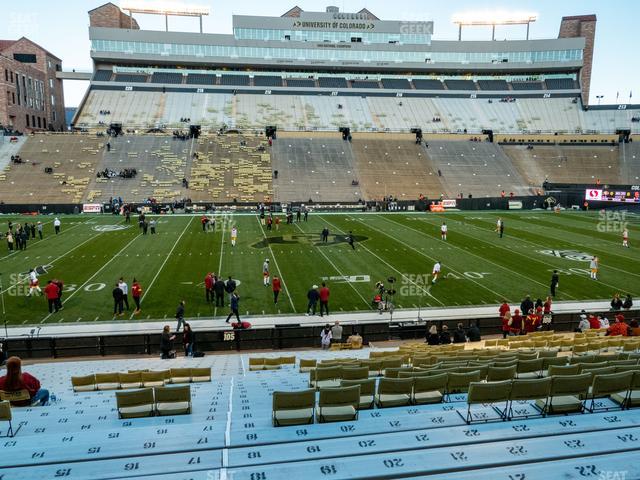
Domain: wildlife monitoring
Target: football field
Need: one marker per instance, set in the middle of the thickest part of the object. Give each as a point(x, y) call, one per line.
point(92, 252)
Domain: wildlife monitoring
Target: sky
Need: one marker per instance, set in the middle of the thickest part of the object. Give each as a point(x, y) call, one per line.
point(62, 28)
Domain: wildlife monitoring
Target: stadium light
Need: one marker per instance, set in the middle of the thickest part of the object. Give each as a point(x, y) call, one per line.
point(166, 8)
point(492, 19)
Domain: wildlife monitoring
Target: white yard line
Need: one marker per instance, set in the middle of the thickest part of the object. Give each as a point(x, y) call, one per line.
point(165, 260)
point(225, 218)
point(275, 261)
point(555, 266)
point(433, 260)
point(56, 259)
point(367, 303)
point(468, 252)
point(420, 287)
point(117, 255)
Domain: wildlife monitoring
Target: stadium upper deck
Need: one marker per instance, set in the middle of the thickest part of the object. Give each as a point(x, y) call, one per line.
point(329, 54)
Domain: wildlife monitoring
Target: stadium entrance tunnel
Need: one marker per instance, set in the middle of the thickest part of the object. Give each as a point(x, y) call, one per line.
point(307, 239)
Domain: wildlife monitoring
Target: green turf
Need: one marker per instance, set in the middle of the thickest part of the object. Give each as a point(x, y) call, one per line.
point(478, 267)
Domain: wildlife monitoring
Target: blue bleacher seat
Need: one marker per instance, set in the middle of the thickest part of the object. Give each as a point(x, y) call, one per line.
point(561, 84)
point(301, 82)
point(240, 80)
point(102, 75)
point(364, 84)
point(460, 84)
point(201, 79)
point(166, 77)
point(493, 85)
point(267, 81)
point(527, 86)
point(395, 83)
point(130, 78)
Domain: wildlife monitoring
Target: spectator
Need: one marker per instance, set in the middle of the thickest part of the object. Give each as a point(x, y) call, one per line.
point(517, 323)
point(604, 322)
point(628, 302)
point(355, 340)
point(445, 336)
point(325, 337)
point(473, 333)
point(3, 354)
point(506, 324)
point(118, 301)
point(234, 306)
point(594, 322)
point(634, 329)
point(15, 381)
point(432, 336)
point(336, 333)
point(616, 303)
point(458, 334)
point(188, 340)
point(180, 315)
point(620, 327)
point(51, 291)
point(166, 343)
point(526, 305)
point(584, 324)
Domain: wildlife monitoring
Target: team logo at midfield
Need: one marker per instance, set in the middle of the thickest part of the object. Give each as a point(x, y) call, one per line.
point(109, 228)
point(307, 239)
point(568, 254)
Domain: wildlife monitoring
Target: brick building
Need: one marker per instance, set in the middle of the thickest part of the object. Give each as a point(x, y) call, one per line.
point(31, 97)
point(582, 26)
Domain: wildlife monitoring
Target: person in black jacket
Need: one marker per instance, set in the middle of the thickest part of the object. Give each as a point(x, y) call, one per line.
point(188, 340)
point(118, 297)
point(628, 302)
point(166, 343)
point(219, 289)
point(458, 334)
point(555, 281)
point(445, 336)
point(313, 296)
point(473, 333)
point(432, 335)
point(180, 315)
point(230, 287)
point(616, 303)
point(526, 305)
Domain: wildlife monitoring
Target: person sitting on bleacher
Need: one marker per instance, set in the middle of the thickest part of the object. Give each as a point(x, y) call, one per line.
point(15, 380)
point(619, 328)
point(355, 340)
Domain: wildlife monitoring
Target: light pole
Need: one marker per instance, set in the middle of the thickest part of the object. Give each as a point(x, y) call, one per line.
point(599, 97)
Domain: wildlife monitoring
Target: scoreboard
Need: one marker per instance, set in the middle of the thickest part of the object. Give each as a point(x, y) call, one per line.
point(631, 195)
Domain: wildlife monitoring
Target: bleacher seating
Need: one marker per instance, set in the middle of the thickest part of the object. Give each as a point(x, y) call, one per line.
point(130, 78)
point(364, 84)
point(424, 84)
point(332, 82)
point(267, 81)
point(527, 85)
point(396, 83)
point(102, 75)
point(328, 430)
point(493, 85)
point(561, 84)
point(201, 79)
point(166, 77)
point(240, 80)
point(460, 84)
point(301, 82)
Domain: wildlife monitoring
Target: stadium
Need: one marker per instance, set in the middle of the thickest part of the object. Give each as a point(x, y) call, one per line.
point(325, 245)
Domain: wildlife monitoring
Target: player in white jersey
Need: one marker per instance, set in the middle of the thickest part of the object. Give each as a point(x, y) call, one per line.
point(443, 231)
point(265, 273)
point(234, 236)
point(34, 283)
point(436, 272)
point(593, 266)
point(625, 238)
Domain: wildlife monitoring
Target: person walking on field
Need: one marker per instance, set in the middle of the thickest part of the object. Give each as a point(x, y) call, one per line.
point(312, 296)
point(443, 231)
point(117, 300)
point(39, 227)
point(60, 286)
point(51, 291)
point(235, 305)
point(136, 293)
point(234, 236)
point(436, 272)
point(265, 273)
point(500, 227)
point(324, 299)
point(34, 283)
point(594, 265)
point(56, 225)
point(180, 315)
point(276, 286)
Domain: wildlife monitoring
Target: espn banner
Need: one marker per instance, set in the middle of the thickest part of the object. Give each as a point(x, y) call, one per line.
point(91, 208)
